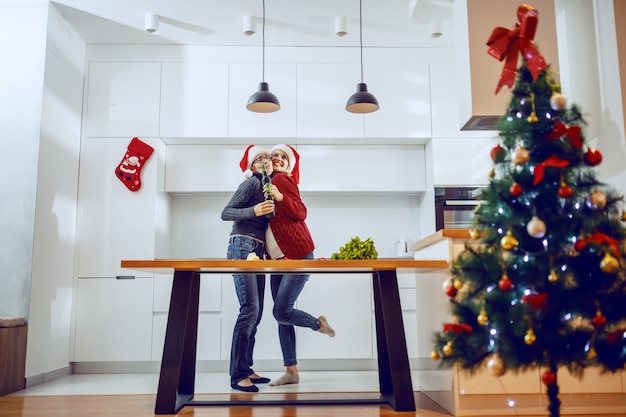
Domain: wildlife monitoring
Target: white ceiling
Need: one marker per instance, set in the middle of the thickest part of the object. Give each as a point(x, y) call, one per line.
point(386, 23)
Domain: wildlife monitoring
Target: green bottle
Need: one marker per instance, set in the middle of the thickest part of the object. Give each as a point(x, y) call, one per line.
point(267, 182)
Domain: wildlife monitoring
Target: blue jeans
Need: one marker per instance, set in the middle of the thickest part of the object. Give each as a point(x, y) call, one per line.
point(285, 292)
point(250, 291)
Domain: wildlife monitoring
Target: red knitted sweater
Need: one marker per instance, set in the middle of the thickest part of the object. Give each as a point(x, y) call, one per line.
point(288, 226)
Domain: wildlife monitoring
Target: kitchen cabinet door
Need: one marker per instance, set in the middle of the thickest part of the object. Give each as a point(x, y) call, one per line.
point(346, 301)
point(323, 90)
point(113, 320)
point(123, 99)
point(114, 223)
point(243, 82)
point(193, 100)
point(403, 93)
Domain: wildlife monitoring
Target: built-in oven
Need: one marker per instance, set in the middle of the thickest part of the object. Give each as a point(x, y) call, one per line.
point(454, 207)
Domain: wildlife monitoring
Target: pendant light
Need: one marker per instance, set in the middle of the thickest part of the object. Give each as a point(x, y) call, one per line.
point(263, 101)
point(362, 101)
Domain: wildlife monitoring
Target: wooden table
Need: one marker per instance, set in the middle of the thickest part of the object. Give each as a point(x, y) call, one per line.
point(178, 367)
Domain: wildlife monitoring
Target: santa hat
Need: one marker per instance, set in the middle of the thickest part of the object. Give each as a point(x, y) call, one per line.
point(294, 159)
point(249, 156)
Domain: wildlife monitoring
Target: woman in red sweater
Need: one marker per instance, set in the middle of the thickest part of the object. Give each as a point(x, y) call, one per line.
point(288, 237)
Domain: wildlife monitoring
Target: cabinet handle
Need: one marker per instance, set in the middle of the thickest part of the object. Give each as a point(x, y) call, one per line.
point(124, 277)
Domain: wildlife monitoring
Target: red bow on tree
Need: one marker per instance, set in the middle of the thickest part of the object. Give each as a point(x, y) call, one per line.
point(504, 43)
point(615, 336)
point(536, 301)
point(540, 169)
point(601, 238)
point(457, 328)
point(573, 134)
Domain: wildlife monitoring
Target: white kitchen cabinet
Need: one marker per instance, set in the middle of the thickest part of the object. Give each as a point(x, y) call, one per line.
point(346, 301)
point(403, 93)
point(113, 320)
point(114, 223)
point(123, 99)
point(209, 319)
point(323, 90)
point(362, 168)
point(209, 336)
point(193, 99)
point(243, 82)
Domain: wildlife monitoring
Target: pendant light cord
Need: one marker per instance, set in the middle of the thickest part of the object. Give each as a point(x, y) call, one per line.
point(263, 37)
point(360, 34)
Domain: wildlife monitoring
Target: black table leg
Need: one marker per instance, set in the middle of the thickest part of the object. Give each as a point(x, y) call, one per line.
point(178, 367)
point(394, 372)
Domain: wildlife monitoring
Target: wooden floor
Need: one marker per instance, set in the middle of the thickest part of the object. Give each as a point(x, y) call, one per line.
point(143, 406)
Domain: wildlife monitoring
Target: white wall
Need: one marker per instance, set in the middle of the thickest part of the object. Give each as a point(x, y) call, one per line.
point(23, 26)
point(590, 77)
point(199, 232)
point(55, 221)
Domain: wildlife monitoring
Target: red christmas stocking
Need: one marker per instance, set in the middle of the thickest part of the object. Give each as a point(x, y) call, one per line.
point(129, 170)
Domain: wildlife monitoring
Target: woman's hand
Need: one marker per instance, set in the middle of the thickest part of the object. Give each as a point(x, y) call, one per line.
point(278, 196)
point(263, 208)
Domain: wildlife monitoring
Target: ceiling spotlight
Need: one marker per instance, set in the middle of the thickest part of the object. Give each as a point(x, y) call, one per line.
point(152, 23)
point(249, 26)
point(340, 26)
point(434, 28)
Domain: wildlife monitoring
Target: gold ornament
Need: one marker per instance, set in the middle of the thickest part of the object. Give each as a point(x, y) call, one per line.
point(509, 242)
point(536, 228)
point(533, 116)
point(521, 155)
point(434, 355)
point(624, 216)
point(597, 200)
point(482, 317)
point(529, 337)
point(474, 234)
point(591, 355)
point(553, 277)
point(496, 365)
point(447, 349)
point(492, 173)
point(558, 101)
point(458, 284)
point(609, 264)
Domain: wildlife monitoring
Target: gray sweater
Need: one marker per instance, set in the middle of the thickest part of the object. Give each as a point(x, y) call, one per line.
point(240, 209)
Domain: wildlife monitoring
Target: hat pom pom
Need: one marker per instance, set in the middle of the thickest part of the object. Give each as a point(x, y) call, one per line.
point(247, 174)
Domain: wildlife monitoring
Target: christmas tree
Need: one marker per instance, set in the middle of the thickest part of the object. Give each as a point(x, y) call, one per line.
point(541, 282)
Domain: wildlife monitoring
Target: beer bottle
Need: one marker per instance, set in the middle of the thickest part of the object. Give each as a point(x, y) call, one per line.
point(267, 182)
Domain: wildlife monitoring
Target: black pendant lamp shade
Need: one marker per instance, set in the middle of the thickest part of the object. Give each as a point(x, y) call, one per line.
point(263, 101)
point(362, 101)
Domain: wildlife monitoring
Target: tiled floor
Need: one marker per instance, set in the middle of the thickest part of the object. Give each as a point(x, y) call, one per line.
point(217, 383)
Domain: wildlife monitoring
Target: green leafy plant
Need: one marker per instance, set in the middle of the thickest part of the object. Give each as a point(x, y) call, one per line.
point(356, 248)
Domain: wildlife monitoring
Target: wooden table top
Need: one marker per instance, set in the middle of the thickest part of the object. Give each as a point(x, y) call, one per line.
point(284, 266)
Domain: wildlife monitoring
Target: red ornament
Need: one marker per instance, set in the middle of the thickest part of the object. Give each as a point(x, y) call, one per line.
point(451, 292)
point(516, 189)
point(498, 153)
point(565, 191)
point(548, 378)
point(592, 157)
point(505, 284)
point(580, 245)
point(599, 321)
